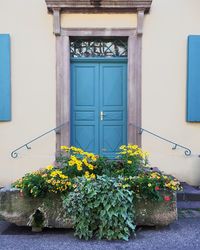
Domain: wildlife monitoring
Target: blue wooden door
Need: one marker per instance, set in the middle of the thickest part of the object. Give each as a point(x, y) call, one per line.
point(99, 105)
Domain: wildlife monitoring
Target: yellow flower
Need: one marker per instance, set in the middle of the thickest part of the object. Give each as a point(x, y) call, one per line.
point(149, 185)
point(85, 161)
point(87, 174)
point(129, 162)
point(64, 148)
point(77, 150)
point(73, 158)
point(93, 158)
point(73, 148)
point(79, 168)
point(92, 176)
point(50, 167)
point(90, 166)
point(62, 176)
point(71, 163)
point(55, 173)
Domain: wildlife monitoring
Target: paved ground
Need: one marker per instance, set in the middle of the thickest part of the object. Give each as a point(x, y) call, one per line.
point(181, 235)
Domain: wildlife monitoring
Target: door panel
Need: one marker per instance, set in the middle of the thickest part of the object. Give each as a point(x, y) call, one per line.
point(96, 87)
point(84, 106)
point(113, 104)
point(112, 85)
point(84, 137)
point(112, 139)
point(84, 79)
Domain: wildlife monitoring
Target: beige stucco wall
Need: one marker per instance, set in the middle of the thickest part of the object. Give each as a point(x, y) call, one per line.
point(164, 83)
point(33, 80)
point(99, 20)
point(33, 86)
point(164, 86)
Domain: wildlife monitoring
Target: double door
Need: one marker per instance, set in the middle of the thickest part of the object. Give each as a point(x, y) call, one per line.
point(99, 105)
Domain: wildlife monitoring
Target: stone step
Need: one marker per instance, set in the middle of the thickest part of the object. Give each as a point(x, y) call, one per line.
point(189, 193)
point(188, 197)
point(188, 205)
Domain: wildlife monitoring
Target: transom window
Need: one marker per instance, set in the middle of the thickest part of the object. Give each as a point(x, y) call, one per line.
point(99, 47)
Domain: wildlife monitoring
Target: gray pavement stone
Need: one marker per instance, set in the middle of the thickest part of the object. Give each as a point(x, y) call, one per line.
point(188, 213)
point(181, 235)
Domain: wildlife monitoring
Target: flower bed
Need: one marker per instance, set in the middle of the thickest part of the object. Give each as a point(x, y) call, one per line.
point(98, 197)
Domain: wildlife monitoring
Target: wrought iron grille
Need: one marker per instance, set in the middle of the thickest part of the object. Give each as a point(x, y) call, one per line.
point(99, 47)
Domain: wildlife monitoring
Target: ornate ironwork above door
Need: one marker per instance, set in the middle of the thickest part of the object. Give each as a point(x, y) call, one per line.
point(99, 47)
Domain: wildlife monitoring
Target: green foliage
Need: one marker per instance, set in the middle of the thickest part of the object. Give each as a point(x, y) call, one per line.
point(102, 208)
point(105, 166)
point(147, 185)
point(132, 160)
point(32, 184)
point(39, 183)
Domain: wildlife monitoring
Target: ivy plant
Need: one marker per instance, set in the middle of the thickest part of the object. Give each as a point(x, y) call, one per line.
point(101, 208)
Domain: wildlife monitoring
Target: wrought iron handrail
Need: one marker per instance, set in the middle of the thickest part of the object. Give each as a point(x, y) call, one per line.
point(14, 153)
point(187, 152)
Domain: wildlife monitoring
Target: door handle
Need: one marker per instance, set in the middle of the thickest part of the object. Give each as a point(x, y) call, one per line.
point(102, 115)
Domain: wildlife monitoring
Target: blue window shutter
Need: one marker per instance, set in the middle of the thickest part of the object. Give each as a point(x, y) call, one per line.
point(193, 79)
point(5, 79)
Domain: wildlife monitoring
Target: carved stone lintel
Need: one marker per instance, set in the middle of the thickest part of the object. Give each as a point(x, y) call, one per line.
point(99, 6)
point(140, 21)
point(56, 21)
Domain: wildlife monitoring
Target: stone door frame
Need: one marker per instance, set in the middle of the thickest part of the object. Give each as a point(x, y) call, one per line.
point(63, 79)
point(134, 95)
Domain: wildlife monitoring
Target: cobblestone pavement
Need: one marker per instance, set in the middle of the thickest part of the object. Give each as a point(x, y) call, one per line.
point(183, 234)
